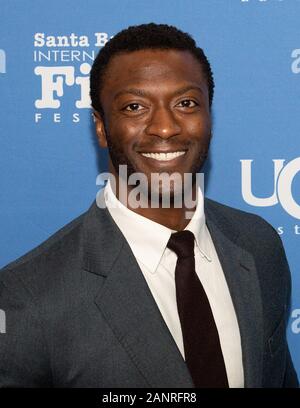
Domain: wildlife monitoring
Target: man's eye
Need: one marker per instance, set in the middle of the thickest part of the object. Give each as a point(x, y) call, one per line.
point(133, 107)
point(188, 103)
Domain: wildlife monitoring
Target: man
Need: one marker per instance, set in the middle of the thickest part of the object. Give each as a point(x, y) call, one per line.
point(110, 300)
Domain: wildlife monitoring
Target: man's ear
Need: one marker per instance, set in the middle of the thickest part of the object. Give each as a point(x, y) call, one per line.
point(100, 129)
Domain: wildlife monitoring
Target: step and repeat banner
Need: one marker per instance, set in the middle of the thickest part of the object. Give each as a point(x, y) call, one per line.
point(49, 156)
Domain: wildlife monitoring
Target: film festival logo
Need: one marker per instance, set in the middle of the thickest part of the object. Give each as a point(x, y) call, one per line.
point(164, 190)
point(62, 64)
point(2, 62)
point(284, 175)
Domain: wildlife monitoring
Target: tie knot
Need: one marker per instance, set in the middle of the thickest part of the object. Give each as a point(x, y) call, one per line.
point(182, 243)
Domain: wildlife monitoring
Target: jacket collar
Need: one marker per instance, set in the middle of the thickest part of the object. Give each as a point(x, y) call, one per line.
point(130, 309)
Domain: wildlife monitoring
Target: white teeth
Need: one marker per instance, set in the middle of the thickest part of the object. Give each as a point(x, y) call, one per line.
point(163, 156)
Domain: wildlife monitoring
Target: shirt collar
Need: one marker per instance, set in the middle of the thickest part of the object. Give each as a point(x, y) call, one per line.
point(148, 239)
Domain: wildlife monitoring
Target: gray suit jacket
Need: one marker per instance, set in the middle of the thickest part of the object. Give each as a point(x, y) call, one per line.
point(79, 312)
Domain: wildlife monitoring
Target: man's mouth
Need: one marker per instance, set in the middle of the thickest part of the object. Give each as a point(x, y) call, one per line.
point(164, 156)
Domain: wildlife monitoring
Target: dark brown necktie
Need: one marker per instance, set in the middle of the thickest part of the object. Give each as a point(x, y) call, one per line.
point(202, 348)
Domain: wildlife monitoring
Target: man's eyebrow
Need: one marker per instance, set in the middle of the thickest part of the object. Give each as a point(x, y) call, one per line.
point(143, 93)
point(188, 88)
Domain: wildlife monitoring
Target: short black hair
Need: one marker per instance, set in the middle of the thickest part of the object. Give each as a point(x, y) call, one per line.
point(140, 37)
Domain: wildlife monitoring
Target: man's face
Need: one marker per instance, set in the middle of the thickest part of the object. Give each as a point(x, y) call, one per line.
point(155, 101)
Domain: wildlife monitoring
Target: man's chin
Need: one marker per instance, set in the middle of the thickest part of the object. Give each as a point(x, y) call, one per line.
point(167, 199)
point(164, 197)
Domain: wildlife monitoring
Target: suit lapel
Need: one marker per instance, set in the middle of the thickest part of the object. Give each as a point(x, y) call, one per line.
point(128, 306)
point(241, 276)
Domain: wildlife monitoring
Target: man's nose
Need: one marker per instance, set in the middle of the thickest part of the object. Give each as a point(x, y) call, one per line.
point(163, 123)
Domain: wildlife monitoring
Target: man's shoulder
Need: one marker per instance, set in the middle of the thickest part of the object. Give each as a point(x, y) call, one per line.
point(60, 248)
point(251, 233)
point(238, 222)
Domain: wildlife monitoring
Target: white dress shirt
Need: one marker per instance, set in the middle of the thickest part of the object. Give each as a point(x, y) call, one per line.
point(148, 242)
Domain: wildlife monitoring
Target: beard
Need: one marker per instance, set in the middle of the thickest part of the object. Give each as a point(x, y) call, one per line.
point(118, 157)
point(159, 194)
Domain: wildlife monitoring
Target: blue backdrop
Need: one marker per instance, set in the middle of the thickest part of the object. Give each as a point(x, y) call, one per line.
point(49, 160)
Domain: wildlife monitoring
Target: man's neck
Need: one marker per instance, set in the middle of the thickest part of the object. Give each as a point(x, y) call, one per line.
point(171, 217)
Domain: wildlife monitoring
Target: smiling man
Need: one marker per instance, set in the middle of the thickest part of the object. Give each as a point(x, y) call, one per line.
point(133, 295)
point(154, 116)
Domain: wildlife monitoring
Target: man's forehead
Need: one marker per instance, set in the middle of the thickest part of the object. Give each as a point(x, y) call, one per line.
point(148, 57)
point(155, 64)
